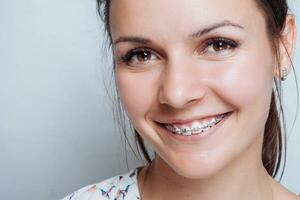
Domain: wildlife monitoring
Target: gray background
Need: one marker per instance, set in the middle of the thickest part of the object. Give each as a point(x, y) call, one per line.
point(56, 129)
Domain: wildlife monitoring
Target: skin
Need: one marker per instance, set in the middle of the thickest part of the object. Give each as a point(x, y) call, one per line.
point(181, 78)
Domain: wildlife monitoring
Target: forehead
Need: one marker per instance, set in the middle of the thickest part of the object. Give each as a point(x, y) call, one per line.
point(179, 17)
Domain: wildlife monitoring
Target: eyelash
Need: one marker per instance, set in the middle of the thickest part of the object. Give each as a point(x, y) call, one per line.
point(134, 52)
point(231, 43)
point(214, 41)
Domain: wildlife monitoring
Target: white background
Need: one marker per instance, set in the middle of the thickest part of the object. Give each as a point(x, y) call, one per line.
point(56, 129)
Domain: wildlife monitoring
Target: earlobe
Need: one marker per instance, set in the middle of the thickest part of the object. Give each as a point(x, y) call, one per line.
point(286, 48)
point(284, 74)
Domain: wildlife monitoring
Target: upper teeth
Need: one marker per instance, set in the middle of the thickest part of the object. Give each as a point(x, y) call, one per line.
point(195, 127)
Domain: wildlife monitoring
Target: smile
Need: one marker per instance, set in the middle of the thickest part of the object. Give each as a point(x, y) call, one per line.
point(195, 127)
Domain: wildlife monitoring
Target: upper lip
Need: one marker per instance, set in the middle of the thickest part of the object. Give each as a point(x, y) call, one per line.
point(189, 120)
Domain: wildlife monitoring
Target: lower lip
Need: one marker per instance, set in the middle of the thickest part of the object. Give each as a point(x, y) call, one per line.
point(196, 137)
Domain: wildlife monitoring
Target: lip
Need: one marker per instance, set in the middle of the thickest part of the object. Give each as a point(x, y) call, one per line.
point(192, 138)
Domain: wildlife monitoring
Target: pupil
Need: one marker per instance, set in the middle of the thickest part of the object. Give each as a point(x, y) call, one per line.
point(144, 56)
point(220, 46)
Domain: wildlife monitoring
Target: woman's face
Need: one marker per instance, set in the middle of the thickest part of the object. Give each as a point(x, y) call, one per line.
point(179, 64)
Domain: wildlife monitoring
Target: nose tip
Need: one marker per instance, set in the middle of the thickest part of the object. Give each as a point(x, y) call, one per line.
point(180, 93)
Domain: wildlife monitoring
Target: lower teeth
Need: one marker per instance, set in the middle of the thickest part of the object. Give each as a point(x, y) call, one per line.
point(196, 133)
point(190, 133)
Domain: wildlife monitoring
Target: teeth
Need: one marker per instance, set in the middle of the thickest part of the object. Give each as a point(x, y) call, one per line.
point(196, 127)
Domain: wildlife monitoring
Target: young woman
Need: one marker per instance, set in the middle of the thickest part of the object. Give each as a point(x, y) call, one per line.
point(200, 82)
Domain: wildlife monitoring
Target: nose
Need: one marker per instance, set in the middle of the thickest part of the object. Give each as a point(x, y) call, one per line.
point(180, 87)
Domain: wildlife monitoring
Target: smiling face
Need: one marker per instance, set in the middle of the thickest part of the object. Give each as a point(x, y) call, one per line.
point(180, 63)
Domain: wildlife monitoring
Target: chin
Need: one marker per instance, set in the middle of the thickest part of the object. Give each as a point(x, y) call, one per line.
point(201, 167)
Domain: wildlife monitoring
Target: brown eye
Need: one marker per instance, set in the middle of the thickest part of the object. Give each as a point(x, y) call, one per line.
point(143, 56)
point(139, 56)
point(220, 46)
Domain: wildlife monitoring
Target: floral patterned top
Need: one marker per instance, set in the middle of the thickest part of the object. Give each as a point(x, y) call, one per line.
point(120, 187)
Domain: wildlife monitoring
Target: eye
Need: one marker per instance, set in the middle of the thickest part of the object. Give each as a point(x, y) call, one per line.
point(219, 46)
point(139, 56)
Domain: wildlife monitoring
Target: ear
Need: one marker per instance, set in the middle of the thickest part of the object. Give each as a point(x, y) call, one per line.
point(287, 45)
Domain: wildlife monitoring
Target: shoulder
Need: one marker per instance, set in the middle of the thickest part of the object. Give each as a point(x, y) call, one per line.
point(122, 186)
point(281, 192)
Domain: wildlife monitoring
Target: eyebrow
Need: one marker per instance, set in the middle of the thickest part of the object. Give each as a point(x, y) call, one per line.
point(134, 39)
point(206, 30)
point(196, 34)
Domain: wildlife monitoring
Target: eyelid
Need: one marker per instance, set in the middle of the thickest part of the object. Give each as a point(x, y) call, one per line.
point(224, 39)
point(141, 49)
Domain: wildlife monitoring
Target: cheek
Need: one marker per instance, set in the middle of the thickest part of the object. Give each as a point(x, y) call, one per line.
point(137, 93)
point(246, 82)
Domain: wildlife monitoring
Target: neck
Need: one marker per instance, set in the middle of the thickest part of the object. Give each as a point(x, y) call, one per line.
point(245, 178)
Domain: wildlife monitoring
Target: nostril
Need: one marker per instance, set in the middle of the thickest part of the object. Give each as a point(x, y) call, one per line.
point(180, 101)
point(193, 101)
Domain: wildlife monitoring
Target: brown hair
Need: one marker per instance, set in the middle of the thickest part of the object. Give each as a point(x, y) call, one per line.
point(274, 143)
